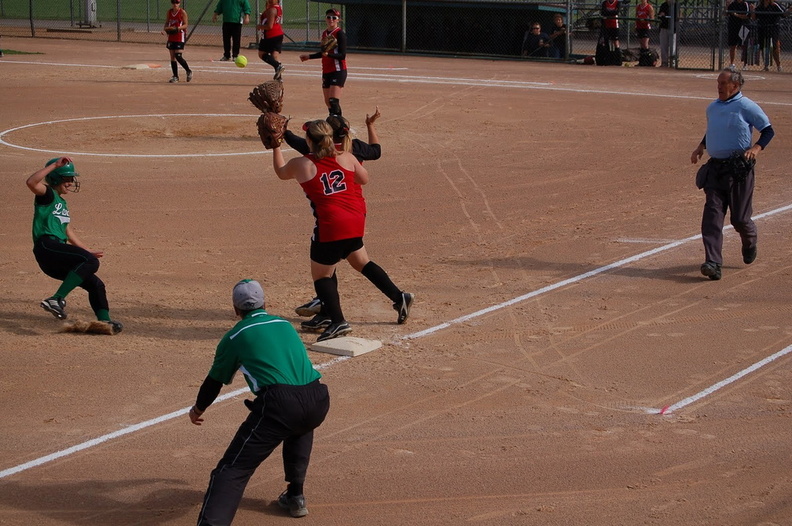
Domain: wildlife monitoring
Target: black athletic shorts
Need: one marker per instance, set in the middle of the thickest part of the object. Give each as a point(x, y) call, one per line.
point(176, 46)
point(642, 32)
point(336, 78)
point(268, 45)
point(733, 38)
point(332, 252)
point(611, 33)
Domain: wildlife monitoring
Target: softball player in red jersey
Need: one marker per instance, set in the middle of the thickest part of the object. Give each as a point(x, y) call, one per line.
point(334, 67)
point(643, 12)
point(176, 29)
point(332, 182)
point(271, 43)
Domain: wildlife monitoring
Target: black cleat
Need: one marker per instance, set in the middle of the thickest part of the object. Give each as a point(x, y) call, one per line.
point(316, 323)
point(334, 330)
point(403, 307)
point(295, 504)
point(749, 255)
point(711, 270)
point(55, 306)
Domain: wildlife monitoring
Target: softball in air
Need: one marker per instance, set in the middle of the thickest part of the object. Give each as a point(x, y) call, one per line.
point(240, 61)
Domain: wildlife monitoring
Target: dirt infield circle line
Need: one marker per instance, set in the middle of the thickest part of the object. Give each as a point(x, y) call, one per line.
point(146, 155)
point(668, 409)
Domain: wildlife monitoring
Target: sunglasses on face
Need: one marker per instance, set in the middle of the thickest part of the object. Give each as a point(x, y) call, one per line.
point(331, 17)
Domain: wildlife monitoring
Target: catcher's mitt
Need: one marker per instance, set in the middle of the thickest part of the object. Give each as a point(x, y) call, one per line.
point(328, 43)
point(268, 97)
point(271, 127)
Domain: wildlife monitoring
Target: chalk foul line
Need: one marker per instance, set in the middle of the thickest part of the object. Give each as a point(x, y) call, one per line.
point(664, 411)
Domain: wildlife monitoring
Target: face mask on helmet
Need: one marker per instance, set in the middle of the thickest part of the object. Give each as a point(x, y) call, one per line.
point(63, 174)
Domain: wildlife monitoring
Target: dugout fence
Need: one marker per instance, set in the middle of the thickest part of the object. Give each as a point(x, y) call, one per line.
point(466, 28)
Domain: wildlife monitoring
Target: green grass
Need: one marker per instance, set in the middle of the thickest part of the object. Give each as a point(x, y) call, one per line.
point(139, 10)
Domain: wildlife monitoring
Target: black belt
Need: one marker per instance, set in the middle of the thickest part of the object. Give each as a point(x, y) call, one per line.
point(719, 162)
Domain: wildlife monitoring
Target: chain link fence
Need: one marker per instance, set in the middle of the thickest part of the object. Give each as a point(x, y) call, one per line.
point(467, 28)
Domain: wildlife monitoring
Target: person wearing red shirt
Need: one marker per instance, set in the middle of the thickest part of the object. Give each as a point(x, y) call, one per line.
point(332, 180)
point(176, 29)
point(644, 12)
point(334, 67)
point(271, 43)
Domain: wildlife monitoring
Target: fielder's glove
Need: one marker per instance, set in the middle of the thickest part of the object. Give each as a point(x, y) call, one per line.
point(268, 97)
point(271, 127)
point(328, 43)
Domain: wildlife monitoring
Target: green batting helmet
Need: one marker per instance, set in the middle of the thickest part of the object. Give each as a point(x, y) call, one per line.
point(56, 176)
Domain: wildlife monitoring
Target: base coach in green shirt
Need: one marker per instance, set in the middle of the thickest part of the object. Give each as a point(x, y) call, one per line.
point(290, 403)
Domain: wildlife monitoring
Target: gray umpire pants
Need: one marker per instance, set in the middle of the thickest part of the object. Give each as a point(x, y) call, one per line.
point(725, 193)
point(285, 414)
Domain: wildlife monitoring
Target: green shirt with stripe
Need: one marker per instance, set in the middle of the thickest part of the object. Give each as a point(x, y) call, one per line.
point(266, 349)
point(50, 216)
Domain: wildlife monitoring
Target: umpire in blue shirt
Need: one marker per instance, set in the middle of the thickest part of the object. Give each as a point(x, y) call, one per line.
point(728, 176)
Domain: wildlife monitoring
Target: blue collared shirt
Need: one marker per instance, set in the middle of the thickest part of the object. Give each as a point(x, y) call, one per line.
point(730, 125)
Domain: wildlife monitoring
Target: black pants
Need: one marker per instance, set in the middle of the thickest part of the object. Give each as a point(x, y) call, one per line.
point(232, 35)
point(284, 413)
point(725, 192)
point(56, 259)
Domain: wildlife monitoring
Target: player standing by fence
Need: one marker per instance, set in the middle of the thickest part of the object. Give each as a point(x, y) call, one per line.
point(271, 43)
point(176, 29)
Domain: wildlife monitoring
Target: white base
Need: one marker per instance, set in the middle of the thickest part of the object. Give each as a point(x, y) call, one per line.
point(346, 346)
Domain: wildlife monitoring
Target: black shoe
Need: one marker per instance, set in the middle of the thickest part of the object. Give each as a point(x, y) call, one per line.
point(403, 307)
point(749, 255)
point(55, 306)
point(311, 308)
point(279, 72)
point(295, 504)
point(225, 59)
point(115, 326)
point(711, 270)
point(316, 323)
point(189, 76)
point(334, 330)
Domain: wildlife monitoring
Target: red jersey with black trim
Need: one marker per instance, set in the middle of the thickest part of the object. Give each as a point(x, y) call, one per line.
point(277, 28)
point(331, 65)
point(643, 13)
point(610, 10)
point(176, 20)
point(337, 201)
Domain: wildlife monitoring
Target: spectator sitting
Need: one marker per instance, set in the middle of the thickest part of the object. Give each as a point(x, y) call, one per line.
point(535, 43)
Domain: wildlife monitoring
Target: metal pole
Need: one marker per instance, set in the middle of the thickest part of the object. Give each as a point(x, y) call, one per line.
point(195, 25)
point(148, 16)
point(118, 20)
point(32, 26)
point(404, 26)
point(672, 57)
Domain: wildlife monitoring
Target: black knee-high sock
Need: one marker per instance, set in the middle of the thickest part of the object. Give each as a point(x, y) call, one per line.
point(183, 62)
point(174, 68)
point(382, 281)
point(327, 291)
point(269, 59)
point(335, 106)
